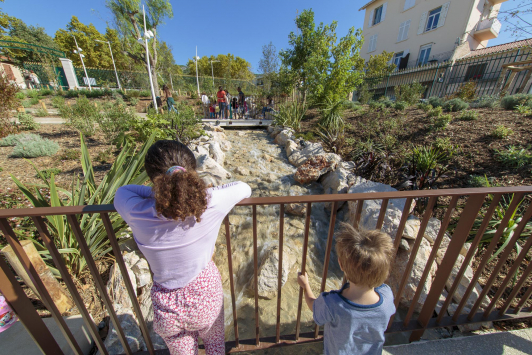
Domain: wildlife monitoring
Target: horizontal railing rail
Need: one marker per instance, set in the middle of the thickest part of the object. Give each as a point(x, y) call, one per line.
point(476, 205)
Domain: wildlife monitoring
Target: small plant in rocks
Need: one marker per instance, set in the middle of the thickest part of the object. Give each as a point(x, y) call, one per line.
point(501, 132)
point(27, 122)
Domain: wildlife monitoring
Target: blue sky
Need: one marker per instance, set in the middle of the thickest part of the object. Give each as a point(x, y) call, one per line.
point(240, 27)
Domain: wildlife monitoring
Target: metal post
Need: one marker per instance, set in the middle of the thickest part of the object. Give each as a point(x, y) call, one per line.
point(82, 63)
point(196, 60)
point(387, 81)
point(148, 61)
point(434, 80)
point(114, 66)
point(212, 72)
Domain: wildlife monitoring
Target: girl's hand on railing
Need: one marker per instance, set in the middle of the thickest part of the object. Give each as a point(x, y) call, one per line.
point(302, 280)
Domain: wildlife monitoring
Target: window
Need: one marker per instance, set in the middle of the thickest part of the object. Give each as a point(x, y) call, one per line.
point(424, 54)
point(475, 72)
point(378, 15)
point(372, 43)
point(403, 31)
point(409, 4)
point(434, 17)
point(397, 58)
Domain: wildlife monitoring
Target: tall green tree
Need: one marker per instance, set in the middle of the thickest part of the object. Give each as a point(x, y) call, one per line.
point(96, 53)
point(269, 63)
point(226, 66)
point(166, 65)
point(128, 20)
point(318, 63)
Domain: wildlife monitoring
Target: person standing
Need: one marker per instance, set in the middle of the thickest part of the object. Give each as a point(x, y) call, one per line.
point(221, 97)
point(241, 101)
point(169, 99)
point(205, 101)
point(227, 103)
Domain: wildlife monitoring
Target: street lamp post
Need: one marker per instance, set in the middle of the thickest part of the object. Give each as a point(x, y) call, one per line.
point(78, 51)
point(197, 79)
point(114, 66)
point(212, 70)
point(148, 34)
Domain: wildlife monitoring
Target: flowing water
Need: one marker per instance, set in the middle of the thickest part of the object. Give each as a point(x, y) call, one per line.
point(270, 174)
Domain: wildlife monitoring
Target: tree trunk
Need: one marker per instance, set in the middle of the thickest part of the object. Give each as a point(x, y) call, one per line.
point(155, 81)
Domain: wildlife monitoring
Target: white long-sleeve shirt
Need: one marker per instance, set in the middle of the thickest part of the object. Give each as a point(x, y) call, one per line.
point(177, 251)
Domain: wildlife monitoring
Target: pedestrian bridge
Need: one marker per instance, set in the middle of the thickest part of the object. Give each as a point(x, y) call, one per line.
point(240, 123)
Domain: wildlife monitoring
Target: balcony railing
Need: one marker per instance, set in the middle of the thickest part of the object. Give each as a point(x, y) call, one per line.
point(487, 29)
point(477, 207)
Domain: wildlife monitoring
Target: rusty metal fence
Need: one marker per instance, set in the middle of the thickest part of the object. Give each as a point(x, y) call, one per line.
point(477, 207)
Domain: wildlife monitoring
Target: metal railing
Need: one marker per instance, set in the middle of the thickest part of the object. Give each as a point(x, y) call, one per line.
point(476, 207)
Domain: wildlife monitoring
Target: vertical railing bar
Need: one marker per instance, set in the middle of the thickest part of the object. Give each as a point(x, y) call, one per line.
point(280, 274)
point(402, 223)
point(432, 256)
point(330, 238)
point(524, 299)
point(13, 241)
point(415, 248)
point(256, 275)
point(382, 213)
point(358, 213)
point(516, 289)
point(21, 305)
point(65, 275)
point(231, 281)
point(502, 260)
point(469, 255)
point(127, 282)
point(303, 268)
point(467, 219)
point(487, 254)
point(84, 248)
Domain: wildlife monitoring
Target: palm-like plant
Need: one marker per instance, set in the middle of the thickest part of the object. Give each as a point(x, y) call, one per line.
point(290, 115)
point(332, 114)
point(128, 168)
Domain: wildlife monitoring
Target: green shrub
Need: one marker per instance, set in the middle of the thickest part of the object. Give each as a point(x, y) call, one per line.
point(377, 105)
point(34, 101)
point(455, 105)
point(20, 95)
point(478, 181)
point(524, 110)
point(445, 145)
point(58, 101)
point(363, 94)
point(513, 157)
point(385, 100)
point(468, 115)
point(467, 91)
point(435, 112)
point(35, 148)
point(46, 92)
point(41, 112)
point(83, 116)
point(485, 101)
point(436, 101)
point(511, 102)
point(26, 103)
point(442, 121)
point(308, 136)
point(290, 115)
point(114, 120)
point(501, 132)
point(14, 139)
point(47, 173)
point(409, 93)
point(27, 122)
point(134, 101)
point(70, 94)
point(69, 154)
point(133, 93)
point(424, 106)
point(332, 113)
point(400, 106)
point(146, 93)
point(350, 105)
point(34, 94)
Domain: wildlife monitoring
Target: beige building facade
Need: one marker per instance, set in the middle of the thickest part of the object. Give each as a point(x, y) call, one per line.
point(421, 32)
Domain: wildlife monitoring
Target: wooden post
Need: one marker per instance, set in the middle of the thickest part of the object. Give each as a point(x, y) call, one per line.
point(60, 297)
point(179, 91)
point(43, 105)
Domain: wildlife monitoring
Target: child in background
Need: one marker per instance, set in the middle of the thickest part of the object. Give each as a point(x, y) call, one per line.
point(212, 110)
point(356, 316)
point(217, 110)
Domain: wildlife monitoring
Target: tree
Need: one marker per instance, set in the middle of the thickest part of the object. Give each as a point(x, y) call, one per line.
point(226, 66)
point(318, 63)
point(166, 64)
point(96, 53)
point(269, 63)
point(518, 19)
point(129, 22)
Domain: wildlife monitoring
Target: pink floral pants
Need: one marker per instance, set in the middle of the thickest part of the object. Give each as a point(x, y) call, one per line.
point(181, 315)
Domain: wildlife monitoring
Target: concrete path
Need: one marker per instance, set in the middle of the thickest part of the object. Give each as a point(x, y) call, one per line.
point(512, 342)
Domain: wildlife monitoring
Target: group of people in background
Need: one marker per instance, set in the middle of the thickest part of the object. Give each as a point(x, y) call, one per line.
point(224, 104)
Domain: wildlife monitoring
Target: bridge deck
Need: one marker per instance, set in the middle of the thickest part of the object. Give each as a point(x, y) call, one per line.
point(238, 123)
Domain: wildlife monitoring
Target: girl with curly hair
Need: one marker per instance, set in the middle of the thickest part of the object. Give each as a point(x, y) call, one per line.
point(175, 224)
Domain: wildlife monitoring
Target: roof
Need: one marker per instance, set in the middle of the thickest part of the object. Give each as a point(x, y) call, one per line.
point(369, 3)
point(500, 48)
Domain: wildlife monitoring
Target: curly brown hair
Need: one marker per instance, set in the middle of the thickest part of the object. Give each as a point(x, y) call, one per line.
point(180, 194)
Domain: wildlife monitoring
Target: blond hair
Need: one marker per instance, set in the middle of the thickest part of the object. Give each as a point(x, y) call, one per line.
point(365, 255)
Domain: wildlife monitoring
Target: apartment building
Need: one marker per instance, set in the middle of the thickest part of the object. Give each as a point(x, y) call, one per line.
point(420, 32)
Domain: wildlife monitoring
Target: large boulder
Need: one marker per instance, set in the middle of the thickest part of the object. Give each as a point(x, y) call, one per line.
point(315, 167)
point(225, 145)
point(296, 209)
point(202, 150)
point(204, 163)
point(215, 151)
point(308, 151)
point(276, 130)
point(128, 322)
point(283, 137)
point(338, 182)
point(210, 179)
point(291, 147)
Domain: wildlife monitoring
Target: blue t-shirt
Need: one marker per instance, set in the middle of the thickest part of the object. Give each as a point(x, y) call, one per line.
point(352, 328)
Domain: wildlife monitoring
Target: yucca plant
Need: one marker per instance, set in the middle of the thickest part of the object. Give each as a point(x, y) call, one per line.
point(332, 114)
point(128, 168)
point(290, 115)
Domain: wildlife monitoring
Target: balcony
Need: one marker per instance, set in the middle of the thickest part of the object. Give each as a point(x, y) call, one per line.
point(487, 29)
point(495, 2)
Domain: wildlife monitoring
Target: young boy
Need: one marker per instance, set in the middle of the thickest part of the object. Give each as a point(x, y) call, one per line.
point(356, 316)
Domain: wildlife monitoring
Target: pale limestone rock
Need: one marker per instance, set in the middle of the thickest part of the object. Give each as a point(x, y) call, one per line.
point(269, 268)
point(291, 147)
point(142, 272)
point(204, 163)
point(216, 153)
point(242, 171)
point(283, 137)
point(301, 156)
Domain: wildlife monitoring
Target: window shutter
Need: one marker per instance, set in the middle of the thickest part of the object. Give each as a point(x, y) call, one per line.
point(444, 9)
point(409, 4)
point(371, 14)
point(401, 30)
point(422, 23)
point(383, 16)
point(406, 29)
point(374, 42)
